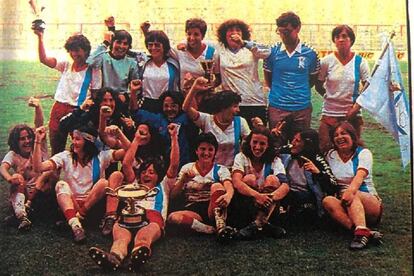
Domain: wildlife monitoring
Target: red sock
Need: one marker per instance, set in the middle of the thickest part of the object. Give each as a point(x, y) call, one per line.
point(69, 213)
point(187, 220)
point(213, 203)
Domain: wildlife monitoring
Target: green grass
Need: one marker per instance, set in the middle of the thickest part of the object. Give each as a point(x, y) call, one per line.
point(309, 250)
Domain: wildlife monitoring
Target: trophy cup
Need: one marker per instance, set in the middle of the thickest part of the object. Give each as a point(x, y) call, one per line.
point(207, 65)
point(133, 215)
point(38, 24)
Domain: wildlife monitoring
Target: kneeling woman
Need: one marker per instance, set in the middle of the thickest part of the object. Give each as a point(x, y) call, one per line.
point(260, 180)
point(207, 189)
point(151, 174)
point(357, 204)
point(84, 171)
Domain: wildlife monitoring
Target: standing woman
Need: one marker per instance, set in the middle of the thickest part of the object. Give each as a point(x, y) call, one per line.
point(223, 123)
point(340, 77)
point(238, 68)
point(358, 203)
point(74, 84)
point(160, 73)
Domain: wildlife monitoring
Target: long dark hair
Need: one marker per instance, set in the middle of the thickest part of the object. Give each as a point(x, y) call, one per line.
point(89, 148)
point(310, 138)
point(95, 108)
point(14, 137)
point(270, 152)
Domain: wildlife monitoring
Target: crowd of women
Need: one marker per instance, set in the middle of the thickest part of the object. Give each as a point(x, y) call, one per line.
point(192, 121)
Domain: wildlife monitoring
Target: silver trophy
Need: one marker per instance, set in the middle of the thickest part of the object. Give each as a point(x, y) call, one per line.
point(133, 215)
point(207, 65)
point(38, 24)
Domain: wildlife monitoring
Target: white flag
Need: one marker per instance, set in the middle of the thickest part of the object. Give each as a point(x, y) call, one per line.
point(389, 108)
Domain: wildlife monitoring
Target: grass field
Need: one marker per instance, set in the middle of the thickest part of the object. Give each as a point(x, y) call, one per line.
point(308, 250)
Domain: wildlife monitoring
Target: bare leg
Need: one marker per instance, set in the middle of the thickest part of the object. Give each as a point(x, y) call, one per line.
point(335, 209)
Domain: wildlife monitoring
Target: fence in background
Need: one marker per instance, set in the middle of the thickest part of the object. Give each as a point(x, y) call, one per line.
point(17, 36)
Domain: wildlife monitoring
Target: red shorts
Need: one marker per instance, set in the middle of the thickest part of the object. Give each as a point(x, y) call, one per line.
point(155, 217)
point(58, 111)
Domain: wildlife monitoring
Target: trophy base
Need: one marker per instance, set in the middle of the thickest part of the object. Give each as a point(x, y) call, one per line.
point(132, 221)
point(38, 25)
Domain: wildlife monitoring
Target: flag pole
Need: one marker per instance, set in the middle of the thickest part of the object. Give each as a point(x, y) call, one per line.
point(377, 64)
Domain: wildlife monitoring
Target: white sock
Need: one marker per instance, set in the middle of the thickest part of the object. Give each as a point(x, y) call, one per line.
point(201, 227)
point(73, 222)
point(18, 205)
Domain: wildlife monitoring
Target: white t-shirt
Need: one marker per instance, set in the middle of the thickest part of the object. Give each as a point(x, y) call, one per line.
point(160, 201)
point(70, 83)
point(155, 80)
point(198, 188)
point(239, 74)
point(225, 152)
point(80, 178)
point(24, 166)
point(189, 64)
point(244, 164)
point(344, 171)
point(339, 84)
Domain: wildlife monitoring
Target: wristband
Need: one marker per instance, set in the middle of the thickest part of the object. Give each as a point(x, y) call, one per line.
point(112, 28)
point(106, 43)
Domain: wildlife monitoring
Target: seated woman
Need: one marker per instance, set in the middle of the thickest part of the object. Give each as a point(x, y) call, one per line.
point(172, 102)
point(357, 204)
point(309, 176)
point(84, 181)
point(16, 168)
point(149, 146)
point(103, 110)
point(207, 190)
point(151, 174)
point(228, 128)
point(260, 181)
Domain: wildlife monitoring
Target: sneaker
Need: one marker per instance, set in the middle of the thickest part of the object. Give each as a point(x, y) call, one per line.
point(224, 233)
point(361, 238)
point(139, 256)
point(108, 225)
point(250, 232)
point(376, 237)
point(273, 231)
point(107, 261)
point(24, 224)
point(78, 234)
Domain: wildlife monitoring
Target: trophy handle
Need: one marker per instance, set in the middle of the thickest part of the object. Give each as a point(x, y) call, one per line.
point(110, 191)
point(153, 192)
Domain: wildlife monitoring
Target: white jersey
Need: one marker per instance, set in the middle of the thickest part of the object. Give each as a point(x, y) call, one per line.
point(340, 84)
point(198, 188)
point(243, 164)
point(70, 84)
point(226, 139)
point(155, 80)
point(160, 201)
point(24, 166)
point(345, 171)
point(79, 178)
point(239, 73)
point(189, 64)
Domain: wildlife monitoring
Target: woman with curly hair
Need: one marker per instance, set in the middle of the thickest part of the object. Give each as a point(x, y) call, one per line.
point(239, 68)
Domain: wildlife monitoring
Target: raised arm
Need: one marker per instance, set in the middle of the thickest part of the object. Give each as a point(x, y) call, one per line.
point(200, 84)
point(115, 138)
point(172, 170)
point(38, 118)
point(48, 61)
point(135, 88)
point(129, 158)
point(38, 165)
